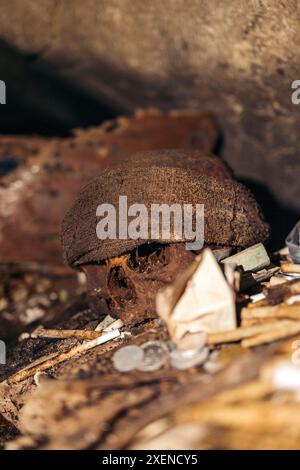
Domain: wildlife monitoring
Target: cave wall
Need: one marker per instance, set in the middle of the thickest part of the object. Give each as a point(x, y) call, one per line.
point(236, 58)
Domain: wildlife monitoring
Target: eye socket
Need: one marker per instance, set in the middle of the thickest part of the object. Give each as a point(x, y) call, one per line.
point(148, 257)
point(119, 286)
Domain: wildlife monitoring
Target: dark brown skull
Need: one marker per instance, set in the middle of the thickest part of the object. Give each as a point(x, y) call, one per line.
point(125, 275)
point(125, 286)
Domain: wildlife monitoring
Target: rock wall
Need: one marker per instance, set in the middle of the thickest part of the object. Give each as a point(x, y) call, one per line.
point(237, 58)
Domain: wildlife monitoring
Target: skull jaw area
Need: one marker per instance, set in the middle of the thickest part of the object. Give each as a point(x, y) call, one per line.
point(125, 287)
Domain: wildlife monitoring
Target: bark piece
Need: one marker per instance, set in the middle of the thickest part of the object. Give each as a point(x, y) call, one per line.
point(290, 268)
point(280, 311)
point(280, 330)
point(253, 332)
point(110, 418)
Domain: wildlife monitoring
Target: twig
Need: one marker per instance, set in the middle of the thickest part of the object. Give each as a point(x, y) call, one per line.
point(240, 333)
point(290, 268)
point(256, 321)
point(63, 334)
point(284, 330)
point(274, 311)
point(50, 361)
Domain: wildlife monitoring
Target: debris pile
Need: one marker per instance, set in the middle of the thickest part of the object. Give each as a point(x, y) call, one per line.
point(206, 341)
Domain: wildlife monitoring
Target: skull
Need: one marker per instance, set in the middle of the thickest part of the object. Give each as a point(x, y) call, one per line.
point(124, 274)
point(125, 286)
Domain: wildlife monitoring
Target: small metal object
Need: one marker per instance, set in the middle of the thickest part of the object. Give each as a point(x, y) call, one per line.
point(128, 358)
point(189, 358)
point(155, 355)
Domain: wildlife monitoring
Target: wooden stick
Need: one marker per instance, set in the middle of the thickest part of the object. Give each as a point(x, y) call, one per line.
point(274, 311)
point(285, 330)
point(258, 303)
point(240, 333)
point(50, 361)
point(260, 417)
point(63, 334)
point(276, 280)
point(256, 321)
point(290, 268)
point(255, 390)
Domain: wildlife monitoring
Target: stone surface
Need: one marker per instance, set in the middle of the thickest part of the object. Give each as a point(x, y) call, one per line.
point(236, 58)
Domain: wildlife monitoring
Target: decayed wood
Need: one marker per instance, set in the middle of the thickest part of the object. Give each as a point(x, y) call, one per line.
point(194, 425)
point(110, 421)
point(253, 390)
point(145, 404)
point(95, 362)
point(94, 415)
point(49, 361)
point(279, 311)
point(62, 334)
point(236, 373)
point(246, 322)
point(290, 268)
point(261, 417)
point(283, 329)
point(242, 332)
